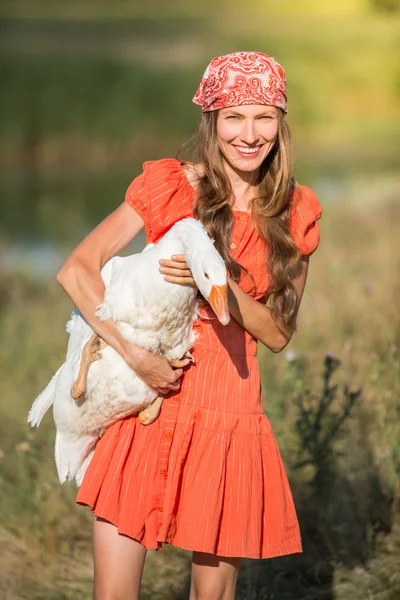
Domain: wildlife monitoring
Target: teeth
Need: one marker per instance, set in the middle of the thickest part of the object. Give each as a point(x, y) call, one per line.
point(247, 150)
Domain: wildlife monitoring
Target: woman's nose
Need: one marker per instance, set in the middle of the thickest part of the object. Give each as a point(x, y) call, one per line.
point(249, 134)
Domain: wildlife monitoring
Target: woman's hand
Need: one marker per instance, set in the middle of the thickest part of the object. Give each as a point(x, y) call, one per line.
point(155, 370)
point(176, 270)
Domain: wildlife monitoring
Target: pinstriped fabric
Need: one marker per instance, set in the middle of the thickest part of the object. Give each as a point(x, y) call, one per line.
point(207, 475)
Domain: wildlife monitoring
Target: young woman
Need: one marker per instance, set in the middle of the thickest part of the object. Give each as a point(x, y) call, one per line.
point(207, 475)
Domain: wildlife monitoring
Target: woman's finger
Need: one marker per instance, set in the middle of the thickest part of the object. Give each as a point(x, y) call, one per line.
point(170, 271)
point(180, 280)
point(178, 364)
point(178, 257)
point(174, 386)
point(173, 263)
point(162, 390)
point(177, 270)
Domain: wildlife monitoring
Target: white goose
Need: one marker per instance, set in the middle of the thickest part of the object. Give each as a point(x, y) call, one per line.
point(150, 312)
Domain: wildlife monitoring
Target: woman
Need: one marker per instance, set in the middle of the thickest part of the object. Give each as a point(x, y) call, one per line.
point(207, 475)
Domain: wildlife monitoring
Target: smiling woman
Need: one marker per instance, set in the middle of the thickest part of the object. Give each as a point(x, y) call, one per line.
point(245, 164)
point(206, 475)
point(246, 136)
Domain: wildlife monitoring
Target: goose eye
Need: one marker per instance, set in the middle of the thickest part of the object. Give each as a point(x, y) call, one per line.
point(206, 276)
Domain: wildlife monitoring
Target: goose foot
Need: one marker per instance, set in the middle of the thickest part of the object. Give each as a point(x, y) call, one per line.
point(175, 364)
point(151, 412)
point(189, 356)
point(90, 353)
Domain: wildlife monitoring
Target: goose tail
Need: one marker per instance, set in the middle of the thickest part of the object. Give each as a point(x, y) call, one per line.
point(43, 402)
point(73, 454)
point(80, 474)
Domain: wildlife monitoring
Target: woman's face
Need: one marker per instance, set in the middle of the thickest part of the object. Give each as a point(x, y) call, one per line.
point(246, 134)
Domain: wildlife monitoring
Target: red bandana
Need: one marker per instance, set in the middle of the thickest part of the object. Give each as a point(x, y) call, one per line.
point(242, 78)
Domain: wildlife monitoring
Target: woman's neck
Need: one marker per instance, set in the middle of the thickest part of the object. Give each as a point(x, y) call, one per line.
point(244, 185)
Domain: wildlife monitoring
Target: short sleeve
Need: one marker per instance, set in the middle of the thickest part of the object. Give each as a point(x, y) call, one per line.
point(137, 196)
point(160, 195)
point(304, 215)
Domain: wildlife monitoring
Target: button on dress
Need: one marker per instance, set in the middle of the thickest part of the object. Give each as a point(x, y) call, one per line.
point(207, 475)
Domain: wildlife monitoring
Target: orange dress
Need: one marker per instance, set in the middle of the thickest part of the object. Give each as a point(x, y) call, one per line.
point(207, 475)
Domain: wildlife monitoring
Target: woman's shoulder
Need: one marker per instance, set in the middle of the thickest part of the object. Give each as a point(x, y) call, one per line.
point(163, 167)
point(305, 210)
point(304, 204)
point(193, 172)
point(303, 196)
point(178, 172)
point(161, 195)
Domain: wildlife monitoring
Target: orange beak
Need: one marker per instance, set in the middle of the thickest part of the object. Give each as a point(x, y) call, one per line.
point(218, 300)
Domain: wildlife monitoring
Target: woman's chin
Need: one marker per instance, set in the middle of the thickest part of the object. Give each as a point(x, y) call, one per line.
point(246, 164)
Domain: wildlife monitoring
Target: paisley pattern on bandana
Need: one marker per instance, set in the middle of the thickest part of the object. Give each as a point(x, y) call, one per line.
point(242, 78)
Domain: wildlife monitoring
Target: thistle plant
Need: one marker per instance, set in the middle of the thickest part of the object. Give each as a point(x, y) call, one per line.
point(319, 422)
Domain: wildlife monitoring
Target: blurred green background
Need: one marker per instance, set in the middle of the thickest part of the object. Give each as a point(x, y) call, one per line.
point(89, 91)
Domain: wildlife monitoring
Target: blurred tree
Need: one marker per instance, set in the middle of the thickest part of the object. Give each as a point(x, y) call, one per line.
point(387, 6)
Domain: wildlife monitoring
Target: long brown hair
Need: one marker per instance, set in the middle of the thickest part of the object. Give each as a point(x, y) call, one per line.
point(270, 212)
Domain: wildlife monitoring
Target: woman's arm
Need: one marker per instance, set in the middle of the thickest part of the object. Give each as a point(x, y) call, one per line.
point(256, 318)
point(253, 316)
point(81, 279)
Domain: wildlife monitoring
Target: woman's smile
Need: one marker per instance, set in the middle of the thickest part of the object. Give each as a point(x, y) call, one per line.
point(248, 152)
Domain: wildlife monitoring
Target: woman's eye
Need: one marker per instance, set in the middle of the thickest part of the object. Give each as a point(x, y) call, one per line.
point(232, 117)
point(267, 117)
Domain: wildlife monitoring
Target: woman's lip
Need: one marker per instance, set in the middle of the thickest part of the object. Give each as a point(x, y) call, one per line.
point(248, 154)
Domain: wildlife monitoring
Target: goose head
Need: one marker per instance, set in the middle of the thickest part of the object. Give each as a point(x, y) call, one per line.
point(207, 267)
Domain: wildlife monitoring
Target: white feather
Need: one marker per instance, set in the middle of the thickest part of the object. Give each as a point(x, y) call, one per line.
point(71, 451)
